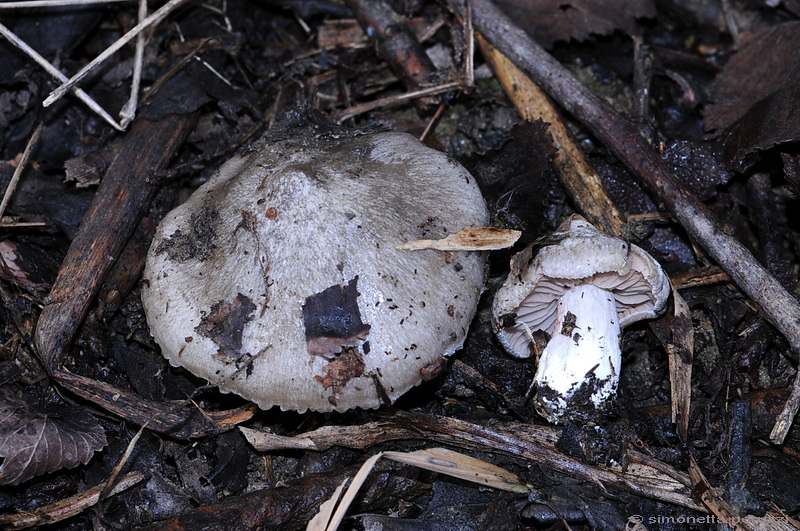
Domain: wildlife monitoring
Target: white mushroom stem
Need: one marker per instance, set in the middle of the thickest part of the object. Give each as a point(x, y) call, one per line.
point(583, 356)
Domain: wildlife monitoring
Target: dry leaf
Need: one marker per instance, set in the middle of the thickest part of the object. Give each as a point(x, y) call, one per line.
point(747, 78)
point(34, 443)
point(439, 460)
point(548, 21)
point(478, 239)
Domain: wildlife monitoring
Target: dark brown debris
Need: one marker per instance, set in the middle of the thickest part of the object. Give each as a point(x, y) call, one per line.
point(552, 21)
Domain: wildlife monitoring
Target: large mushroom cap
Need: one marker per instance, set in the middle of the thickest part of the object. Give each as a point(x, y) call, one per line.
point(577, 253)
point(279, 279)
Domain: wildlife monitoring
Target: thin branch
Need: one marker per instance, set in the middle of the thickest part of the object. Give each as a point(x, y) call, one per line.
point(376, 104)
point(68, 507)
point(54, 3)
point(23, 162)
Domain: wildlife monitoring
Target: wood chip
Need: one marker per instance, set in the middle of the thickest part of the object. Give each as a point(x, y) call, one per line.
point(478, 239)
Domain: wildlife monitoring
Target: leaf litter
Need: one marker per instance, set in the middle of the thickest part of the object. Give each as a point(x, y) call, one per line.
point(240, 69)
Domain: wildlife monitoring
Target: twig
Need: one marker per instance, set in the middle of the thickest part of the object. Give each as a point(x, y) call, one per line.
point(432, 122)
point(23, 162)
point(54, 3)
point(623, 139)
point(21, 224)
point(128, 111)
point(396, 43)
point(56, 73)
point(155, 18)
point(375, 104)
point(527, 442)
point(68, 507)
point(125, 192)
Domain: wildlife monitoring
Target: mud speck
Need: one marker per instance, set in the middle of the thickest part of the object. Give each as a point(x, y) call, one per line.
point(197, 243)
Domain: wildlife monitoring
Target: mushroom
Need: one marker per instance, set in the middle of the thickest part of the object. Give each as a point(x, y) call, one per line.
point(279, 279)
point(581, 289)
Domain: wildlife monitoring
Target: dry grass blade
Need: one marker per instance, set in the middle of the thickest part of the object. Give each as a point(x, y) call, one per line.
point(457, 465)
point(351, 492)
point(54, 3)
point(128, 111)
point(111, 482)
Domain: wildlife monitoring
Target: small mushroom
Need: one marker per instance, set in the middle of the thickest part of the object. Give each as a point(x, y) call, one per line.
point(279, 279)
point(581, 289)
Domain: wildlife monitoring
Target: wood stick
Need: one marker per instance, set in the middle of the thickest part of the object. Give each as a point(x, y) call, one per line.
point(623, 139)
point(126, 190)
point(395, 41)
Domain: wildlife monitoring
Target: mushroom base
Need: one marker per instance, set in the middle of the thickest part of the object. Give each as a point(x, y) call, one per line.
point(579, 368)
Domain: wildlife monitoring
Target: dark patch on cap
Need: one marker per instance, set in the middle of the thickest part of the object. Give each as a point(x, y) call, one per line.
point(225, 323)
point(346, 366)
point(333, 321)
point(197, 242)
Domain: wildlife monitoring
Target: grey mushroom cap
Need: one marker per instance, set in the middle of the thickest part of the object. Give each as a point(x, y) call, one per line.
point(279, 280)
point(577, 253)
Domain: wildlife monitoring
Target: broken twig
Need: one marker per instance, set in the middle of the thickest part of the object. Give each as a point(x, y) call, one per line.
point(23, 162)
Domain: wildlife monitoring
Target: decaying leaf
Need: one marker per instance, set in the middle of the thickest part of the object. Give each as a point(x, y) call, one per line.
point(34, 442)
point(478, 239)
point(549, 21)
point(747, 78)
point(756, 102)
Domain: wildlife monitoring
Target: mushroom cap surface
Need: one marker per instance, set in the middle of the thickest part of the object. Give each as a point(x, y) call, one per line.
point(577, 253)
point(279, 280)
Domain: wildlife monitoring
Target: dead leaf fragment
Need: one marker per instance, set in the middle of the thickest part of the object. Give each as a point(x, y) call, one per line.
point(756, 103)
point(478, 239)
point(34, 443)
point(747, 78)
